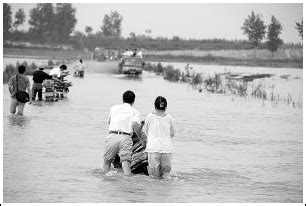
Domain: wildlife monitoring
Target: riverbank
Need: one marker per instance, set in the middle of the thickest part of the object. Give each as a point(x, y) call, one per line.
point(46, 53)
point(282, 59)
point(218, 60)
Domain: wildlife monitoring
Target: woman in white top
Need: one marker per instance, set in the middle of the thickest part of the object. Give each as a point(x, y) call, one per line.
point(159, 129)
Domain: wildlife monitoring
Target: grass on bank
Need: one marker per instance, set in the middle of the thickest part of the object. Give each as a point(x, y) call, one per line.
point(293, 62)
point(224, 84)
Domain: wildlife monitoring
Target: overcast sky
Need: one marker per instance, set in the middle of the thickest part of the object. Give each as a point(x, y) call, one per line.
point(199, 21)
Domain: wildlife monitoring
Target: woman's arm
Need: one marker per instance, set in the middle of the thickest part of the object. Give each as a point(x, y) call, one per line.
point(172, 128)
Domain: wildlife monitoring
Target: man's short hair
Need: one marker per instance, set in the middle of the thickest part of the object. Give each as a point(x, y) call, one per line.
point(63, 67)
point(128, 97)
point(21, 69)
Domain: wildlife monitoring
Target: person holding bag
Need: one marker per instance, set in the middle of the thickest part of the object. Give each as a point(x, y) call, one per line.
point(18, 84)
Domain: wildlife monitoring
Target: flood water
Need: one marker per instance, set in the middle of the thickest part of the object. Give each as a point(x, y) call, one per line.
point(226, 150)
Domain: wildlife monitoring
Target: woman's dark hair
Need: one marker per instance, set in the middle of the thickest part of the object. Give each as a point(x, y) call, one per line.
point(128, 97)
point(21, 69)
point(160, 103)
point(63, 67)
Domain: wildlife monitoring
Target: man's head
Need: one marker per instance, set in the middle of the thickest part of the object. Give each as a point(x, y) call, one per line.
point(128, 97)
point(63, 67)
point(21, 69)
point(81, 60)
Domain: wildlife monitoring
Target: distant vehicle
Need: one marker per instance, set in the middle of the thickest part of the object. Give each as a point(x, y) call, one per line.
point(98, 54)
point(131, 65)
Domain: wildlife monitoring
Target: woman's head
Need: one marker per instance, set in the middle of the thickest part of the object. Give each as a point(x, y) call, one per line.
point(160, 103)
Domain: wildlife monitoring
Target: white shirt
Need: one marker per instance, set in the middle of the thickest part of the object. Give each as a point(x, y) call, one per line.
point(129, 53)
point(80, 66)
point(121, 118)
point(158, 131)
point(139, 54)
point(55, 71)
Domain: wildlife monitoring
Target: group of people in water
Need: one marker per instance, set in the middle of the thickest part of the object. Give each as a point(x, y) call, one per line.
point(157, 131)
point(123, 120)
point(20, 82)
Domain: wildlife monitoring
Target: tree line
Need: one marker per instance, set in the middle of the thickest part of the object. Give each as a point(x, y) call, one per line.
point(49, 23)
point(55, 23)
point(255, 29)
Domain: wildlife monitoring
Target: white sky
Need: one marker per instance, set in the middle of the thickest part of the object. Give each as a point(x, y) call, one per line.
point(187, 20)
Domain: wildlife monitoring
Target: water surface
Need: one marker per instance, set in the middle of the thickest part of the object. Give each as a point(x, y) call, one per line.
point(226, 149)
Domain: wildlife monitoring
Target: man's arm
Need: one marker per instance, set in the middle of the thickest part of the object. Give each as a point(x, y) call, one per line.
point(10, 86)
point(109, 116)
point(137, 128)
point(56, 79)
point(29, 91)
point(139, 132)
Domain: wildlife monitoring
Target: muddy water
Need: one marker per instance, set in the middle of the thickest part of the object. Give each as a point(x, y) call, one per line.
point(226, 150)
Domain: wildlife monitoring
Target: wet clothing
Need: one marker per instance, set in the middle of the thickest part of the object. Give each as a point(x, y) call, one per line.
point(159, 164)
point(80, 67)
point(158, 131)
point(159, 148)
point(37, 89)
point(15, 104)
point(55, 71)
point(120, 144)
point(120, 120)
point(23, 83)
point(38, 78)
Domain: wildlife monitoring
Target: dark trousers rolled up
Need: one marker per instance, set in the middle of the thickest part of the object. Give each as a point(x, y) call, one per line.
point(37, 88)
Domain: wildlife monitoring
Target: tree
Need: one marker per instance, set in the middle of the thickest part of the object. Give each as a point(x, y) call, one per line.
point(133, 36)
point(255, 29)
point(42, 22)
point(274, 31)
point(20, 18)
point(88, 30)
point(64, 21)
point(299, 27)
point(112, 24)
point(7, 20)
point(175, 38)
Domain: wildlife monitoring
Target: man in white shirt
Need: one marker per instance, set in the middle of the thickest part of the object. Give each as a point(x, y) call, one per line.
point(58, 71)
point(139, 54)
point(79, 68)
point(123, 120)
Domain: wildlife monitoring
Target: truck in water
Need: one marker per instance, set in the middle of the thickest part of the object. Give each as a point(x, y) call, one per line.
point(131, 65)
